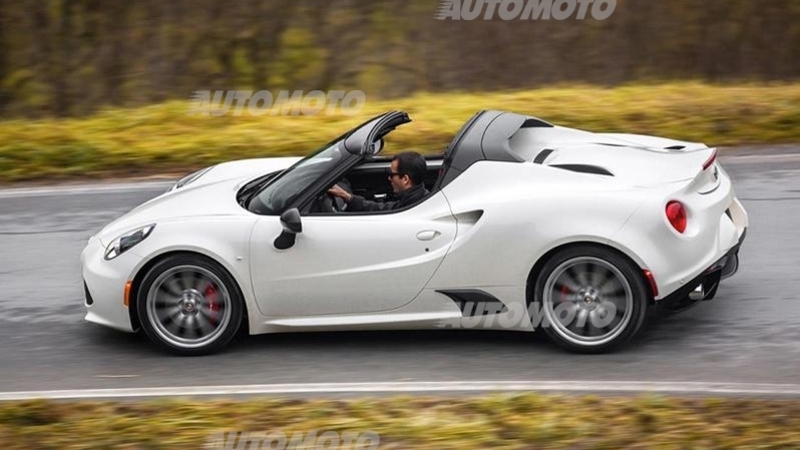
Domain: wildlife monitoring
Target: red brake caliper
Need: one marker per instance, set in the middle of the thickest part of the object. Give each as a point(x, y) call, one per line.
point(211, 297)
point(564, 293)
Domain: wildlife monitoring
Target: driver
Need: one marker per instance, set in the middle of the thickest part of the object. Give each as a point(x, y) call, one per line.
point(407, 174)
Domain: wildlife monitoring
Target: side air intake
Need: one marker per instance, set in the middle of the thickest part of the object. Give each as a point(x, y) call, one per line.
point(543, 156)
point(584, 168)
point(536, 123)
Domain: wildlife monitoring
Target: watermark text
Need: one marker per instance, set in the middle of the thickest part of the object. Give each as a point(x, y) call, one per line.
point(278, 440)
point(599, 315)
point(525, 9)
point(259, 103)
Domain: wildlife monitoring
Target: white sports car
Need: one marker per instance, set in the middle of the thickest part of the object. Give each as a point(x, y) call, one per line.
point(527, 226)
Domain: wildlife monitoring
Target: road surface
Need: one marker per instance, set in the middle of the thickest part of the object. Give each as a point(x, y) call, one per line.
point(749, 334)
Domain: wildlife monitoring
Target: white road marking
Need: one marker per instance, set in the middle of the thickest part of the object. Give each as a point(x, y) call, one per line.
point(116, 376)
point(86, 189)
point(593, 386)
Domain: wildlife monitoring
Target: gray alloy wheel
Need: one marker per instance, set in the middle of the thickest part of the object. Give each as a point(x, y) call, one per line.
point(591, 299)
point(189, 305)
point(587, 301)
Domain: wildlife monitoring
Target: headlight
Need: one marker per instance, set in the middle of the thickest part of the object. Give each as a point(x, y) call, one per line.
point(127, 241)
point(189, 178)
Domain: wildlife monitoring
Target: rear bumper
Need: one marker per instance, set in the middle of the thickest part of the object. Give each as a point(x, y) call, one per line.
point(716, 224)
point(705, 285)
point(730, 262)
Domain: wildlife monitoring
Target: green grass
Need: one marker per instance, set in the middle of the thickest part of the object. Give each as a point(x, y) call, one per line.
point(508, 422)
point(164, 138)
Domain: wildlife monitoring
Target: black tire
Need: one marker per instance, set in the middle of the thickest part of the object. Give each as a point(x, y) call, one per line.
point(181, 319)
point(598, 285)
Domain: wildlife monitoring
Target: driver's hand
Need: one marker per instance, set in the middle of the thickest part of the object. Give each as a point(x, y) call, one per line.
point(339, 192)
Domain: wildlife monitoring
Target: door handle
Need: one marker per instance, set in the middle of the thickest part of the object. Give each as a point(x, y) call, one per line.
point(428, 235)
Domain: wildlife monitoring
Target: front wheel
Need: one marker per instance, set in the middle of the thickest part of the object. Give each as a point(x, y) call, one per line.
point(189, 305)
point(591, 299)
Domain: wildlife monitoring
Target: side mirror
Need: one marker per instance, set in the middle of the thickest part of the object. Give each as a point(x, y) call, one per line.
point(292, 225)
point(291, 221)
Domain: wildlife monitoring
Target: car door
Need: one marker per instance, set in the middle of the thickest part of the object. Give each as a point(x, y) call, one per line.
point(350, 263)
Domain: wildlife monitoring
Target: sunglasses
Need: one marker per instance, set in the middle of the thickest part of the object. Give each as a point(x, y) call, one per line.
point(391, 174)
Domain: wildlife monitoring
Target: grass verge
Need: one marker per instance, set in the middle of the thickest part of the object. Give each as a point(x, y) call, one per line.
point(164, 138)
point(508, 422)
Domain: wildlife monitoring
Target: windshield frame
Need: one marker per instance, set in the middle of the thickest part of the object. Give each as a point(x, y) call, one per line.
point(349, 156)
point(257, 205)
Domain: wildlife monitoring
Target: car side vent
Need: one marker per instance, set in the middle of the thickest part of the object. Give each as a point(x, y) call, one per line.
point(584, 168)
point(88, 296)
point(541, 157)
point(609, 144)
point(676, 147)
point(475, 303)
point(536, 123)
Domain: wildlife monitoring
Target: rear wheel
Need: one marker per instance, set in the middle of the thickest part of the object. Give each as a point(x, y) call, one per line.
point(189, 305)
point(591, 299)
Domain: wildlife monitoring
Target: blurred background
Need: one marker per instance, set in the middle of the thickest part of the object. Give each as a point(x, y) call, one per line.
point(68, 58)
point(100, 90)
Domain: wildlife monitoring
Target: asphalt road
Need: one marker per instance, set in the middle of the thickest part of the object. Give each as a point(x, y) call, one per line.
point(749, 334)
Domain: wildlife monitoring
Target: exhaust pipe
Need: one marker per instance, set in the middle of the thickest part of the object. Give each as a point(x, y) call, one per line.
point(698, 293)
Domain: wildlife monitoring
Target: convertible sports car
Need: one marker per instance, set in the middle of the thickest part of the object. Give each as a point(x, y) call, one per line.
point(527, 226)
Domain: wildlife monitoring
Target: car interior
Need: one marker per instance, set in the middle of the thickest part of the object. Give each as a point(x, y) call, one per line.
point(369, 180)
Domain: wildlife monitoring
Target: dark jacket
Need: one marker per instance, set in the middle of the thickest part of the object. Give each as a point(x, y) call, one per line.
point(405, 198)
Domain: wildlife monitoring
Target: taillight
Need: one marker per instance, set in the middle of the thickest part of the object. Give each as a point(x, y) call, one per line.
point(676, 214)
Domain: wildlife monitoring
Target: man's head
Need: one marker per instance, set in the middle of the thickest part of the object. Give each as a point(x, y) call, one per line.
point(408, 170)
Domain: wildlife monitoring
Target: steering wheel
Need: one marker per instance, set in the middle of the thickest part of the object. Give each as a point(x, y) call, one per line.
point(337, 203)
point(329, 203)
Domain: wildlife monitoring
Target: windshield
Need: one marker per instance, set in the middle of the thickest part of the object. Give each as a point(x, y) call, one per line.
point(279, 194)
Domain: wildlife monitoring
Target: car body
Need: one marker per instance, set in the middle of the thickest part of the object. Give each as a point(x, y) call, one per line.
point(528, 226)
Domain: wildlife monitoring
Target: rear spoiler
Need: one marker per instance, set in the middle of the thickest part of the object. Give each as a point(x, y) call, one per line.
point(710, 161)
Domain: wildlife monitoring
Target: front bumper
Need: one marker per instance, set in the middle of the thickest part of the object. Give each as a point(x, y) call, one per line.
point(104, 283)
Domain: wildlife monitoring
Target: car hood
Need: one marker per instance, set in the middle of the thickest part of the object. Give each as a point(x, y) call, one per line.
point(213, 194)
point(243, 170)
point(635, 159)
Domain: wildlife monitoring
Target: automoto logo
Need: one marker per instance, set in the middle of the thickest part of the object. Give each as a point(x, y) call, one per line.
point(525, 9)
point(278, 440)
point(260, 103)
point(515, 316)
